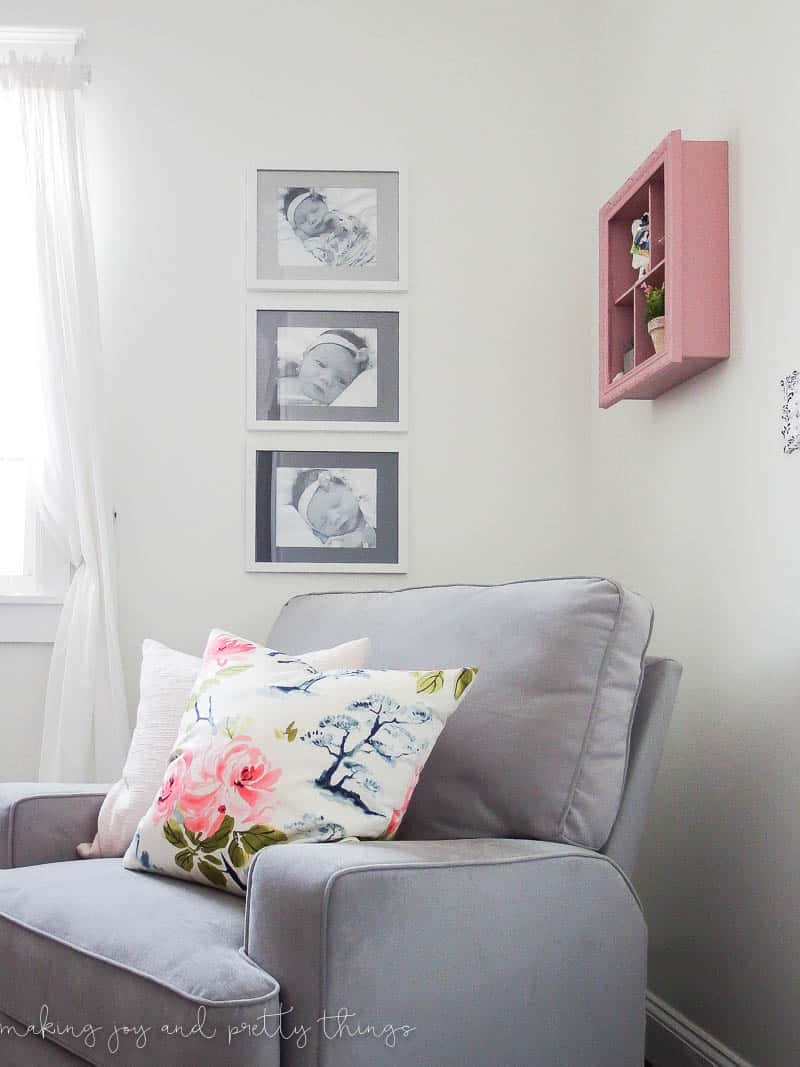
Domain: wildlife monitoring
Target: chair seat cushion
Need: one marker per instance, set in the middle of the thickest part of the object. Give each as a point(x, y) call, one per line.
point(539, 747)
point(101, 946)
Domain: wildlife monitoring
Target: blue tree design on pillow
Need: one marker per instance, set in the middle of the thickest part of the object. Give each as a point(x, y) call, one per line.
point(376, 727)
point(316, 677)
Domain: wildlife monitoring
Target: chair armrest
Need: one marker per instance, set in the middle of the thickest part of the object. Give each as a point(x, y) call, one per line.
point(488, 951)
point(44, 822)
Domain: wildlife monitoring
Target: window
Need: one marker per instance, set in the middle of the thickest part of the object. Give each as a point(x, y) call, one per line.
point(29, 568)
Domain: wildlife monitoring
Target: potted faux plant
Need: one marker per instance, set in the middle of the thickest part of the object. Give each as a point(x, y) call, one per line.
point(656, 322)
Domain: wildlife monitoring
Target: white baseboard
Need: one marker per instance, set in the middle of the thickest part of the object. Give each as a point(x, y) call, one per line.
point(675, 1041)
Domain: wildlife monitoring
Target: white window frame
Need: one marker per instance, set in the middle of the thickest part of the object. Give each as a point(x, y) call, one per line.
point(30, 605)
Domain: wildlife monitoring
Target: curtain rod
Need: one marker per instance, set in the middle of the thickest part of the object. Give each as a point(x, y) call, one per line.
point(59, 42)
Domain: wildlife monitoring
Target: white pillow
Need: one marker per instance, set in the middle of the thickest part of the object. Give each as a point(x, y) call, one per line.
point(166, 684)
point(311, 756)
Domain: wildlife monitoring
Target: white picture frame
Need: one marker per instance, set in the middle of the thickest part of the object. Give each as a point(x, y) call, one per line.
point(328, 452)
point(262, 207)
point(391, 375)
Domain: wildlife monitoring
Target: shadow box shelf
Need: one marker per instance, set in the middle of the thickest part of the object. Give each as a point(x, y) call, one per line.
point(683, 186)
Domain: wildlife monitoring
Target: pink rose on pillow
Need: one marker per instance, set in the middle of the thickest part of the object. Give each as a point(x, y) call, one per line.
point(397, 813)
point(244, 770)
point(171, 787)
point(224, 646)
point(233, 779)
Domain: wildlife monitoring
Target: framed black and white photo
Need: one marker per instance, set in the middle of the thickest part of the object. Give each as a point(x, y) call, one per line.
point(323, 509)
point(326, 229)
point(326, 368)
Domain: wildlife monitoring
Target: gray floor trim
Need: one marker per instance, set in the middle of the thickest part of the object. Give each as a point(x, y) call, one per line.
point(675, 1041)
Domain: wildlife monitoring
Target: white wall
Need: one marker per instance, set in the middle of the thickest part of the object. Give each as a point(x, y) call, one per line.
point(695, 504)
point(23, 670)
point(183, 95)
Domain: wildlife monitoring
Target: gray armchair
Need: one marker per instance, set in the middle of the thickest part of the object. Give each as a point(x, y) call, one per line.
point(466, 942)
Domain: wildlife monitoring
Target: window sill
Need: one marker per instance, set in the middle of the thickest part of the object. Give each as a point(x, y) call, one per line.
point(26, 619)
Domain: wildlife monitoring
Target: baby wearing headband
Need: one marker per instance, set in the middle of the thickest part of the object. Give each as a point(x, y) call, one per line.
point(330, 364)
point(332, 237)
point(330, 507)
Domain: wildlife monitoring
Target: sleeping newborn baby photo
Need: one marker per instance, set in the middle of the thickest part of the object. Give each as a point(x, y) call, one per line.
point(329, 508)
point(335, 227)
point(331, 367)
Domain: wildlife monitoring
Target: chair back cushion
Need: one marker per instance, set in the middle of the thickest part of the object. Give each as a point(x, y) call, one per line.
point(539, 745)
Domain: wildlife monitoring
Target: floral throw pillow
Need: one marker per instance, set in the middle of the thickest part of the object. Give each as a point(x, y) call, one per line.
point(309, 756)
point(165, 686)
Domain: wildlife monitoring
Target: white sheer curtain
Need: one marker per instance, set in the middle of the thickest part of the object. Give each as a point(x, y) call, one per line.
point(85, 724)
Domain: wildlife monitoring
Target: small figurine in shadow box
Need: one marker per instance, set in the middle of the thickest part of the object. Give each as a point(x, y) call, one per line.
point(640, 247)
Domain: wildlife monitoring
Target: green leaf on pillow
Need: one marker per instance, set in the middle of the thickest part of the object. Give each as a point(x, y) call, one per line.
point(174, 834)
point(465, 679)
point(184, 859)
point(220, 838)
point(193, 838)
point(258, 837)
point(290, 733)
point(216, 877)
point(234, 669)
point(226, 672)
point(431, 682)
point(199, 692)
point(211, 858)
point(237, 853)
